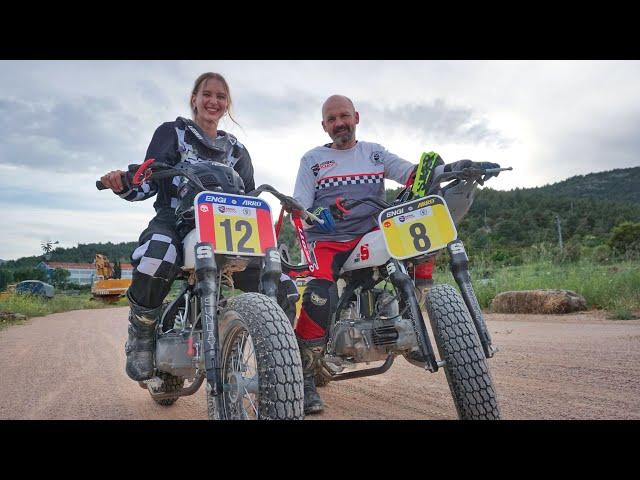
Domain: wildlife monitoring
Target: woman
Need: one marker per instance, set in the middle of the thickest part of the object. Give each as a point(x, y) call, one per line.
point(158, 258)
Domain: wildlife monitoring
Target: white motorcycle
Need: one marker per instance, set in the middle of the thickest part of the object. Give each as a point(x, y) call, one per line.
point(378, 316)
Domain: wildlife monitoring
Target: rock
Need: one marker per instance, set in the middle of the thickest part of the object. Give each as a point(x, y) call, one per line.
point(538, 301)
point(12, 316)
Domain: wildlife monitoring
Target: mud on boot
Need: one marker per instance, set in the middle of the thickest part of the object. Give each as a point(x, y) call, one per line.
point(140, 345)
point(310, 352)
point(312, 401)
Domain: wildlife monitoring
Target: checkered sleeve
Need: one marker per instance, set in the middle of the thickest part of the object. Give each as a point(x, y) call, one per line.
point(142, 192)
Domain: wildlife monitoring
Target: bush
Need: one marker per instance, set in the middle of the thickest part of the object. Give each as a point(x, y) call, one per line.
point(33, 306)
point(572, 252)
point(625, 238)
point(602, 254)
point(22, 274)
point(60, 276)
point(6, 277)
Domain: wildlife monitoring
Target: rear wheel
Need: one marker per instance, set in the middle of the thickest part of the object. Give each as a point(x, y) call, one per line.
point(261, 367)
point(458, 344)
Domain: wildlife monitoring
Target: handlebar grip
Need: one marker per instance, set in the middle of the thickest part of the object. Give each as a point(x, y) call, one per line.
point(126, 182)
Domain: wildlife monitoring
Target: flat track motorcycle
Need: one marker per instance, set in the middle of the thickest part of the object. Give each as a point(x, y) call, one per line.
point(378, 316)
point(243, 346)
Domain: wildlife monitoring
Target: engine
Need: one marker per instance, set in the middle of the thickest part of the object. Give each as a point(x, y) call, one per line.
point(371, 327)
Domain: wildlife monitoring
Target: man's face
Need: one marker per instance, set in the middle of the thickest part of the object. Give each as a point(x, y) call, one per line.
point(339, 120)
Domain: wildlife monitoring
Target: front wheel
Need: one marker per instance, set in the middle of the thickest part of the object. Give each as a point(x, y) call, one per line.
point(458, 344)
point(260, 360)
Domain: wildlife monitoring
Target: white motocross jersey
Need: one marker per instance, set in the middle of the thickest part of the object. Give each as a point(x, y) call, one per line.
point(326, 173)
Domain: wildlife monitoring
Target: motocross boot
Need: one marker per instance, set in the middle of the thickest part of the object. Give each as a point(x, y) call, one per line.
point(141, 342)
point(310, 352)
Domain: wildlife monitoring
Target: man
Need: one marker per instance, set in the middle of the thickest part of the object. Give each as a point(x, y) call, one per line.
point(349, 168)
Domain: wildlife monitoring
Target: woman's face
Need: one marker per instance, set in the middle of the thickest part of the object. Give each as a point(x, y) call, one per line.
point(211, 101)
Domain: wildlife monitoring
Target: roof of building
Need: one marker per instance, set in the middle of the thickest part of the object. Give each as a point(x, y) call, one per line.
point(83, 266)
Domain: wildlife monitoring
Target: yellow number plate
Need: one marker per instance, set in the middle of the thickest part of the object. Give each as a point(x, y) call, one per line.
point(417, 227)
point(235, 224)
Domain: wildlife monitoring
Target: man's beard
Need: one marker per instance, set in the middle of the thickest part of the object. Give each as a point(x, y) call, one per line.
point(344, 137)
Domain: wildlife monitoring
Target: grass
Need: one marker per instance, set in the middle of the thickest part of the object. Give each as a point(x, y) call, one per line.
point(33, 306)
point(615, 287)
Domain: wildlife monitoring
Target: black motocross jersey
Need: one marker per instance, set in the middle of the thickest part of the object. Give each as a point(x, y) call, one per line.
point(184, 141)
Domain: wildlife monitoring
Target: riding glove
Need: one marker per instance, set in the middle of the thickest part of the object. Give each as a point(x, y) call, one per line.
point(329, 225)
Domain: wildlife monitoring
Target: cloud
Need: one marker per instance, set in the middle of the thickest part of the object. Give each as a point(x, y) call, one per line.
point(67, 134)
point(264, 111)
point(436, 121)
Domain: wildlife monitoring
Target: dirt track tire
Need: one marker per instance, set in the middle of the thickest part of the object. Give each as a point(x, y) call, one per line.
point(170, 383)
point(278, 368)
point(458, 344)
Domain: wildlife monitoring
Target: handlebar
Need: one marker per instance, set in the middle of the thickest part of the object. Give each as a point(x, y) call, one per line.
point(139, 173)
point(343, 206)
point(469, 173)
point(288, 202)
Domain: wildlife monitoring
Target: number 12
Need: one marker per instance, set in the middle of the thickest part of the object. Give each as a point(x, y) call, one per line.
point(240, 224)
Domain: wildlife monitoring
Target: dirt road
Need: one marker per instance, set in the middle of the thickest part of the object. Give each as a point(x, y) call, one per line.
point(71, 366)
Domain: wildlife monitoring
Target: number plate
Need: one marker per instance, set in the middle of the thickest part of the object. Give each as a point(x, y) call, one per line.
point(234, 224)
point(417, 227)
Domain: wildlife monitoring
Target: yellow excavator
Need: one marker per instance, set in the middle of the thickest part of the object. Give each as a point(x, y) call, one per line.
point(105, 287)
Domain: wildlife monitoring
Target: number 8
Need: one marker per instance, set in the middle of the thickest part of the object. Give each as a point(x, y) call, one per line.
point(419, 234)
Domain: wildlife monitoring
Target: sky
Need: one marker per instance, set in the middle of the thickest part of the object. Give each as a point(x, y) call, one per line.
point(65, 124)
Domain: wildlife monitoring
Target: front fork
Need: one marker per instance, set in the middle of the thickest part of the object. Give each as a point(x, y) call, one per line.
point(206, 274)
point(459, 268)
point(271, 273)
point(403, 283)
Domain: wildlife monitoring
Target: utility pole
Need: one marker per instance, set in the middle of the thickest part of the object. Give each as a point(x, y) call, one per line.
point(559, 232)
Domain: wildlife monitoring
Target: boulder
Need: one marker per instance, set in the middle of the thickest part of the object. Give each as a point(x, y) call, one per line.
point(538, 301)
point(6, 316)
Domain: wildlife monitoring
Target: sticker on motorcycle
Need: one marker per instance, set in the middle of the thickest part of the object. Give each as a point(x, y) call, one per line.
point(234, 224)
point(417, 227)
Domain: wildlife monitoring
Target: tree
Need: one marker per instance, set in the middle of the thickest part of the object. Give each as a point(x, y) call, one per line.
point(47, 247)
point(22, 274)
point(290, 239)
point(625, 237)
point(60, 276)
point(6, 277)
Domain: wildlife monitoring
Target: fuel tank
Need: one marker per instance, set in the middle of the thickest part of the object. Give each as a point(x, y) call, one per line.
point(371, 251)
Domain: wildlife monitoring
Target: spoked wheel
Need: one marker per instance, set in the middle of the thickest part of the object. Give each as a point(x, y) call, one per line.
point(260, 362)
point(240, 376)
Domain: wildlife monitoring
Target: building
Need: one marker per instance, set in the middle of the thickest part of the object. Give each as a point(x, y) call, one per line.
point(81, 273)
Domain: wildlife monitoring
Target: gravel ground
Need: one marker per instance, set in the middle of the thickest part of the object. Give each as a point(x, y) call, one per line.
point(582, 366)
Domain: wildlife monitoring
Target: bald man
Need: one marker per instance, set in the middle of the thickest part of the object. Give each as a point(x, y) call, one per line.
point(349, 168)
